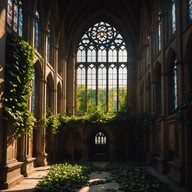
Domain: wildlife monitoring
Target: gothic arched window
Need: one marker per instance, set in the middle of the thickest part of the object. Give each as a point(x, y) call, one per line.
point(173, 85)
point(173, 14)
point(15, 15)
point(159, 31)
point(102, 70)
point(190, 10)
point(33, 96)
point(48, 44)
point(100, 139)
point(171, 18)
point(36, 31)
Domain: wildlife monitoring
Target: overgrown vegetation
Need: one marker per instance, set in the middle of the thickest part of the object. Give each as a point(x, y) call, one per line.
point(19, 72)
point(131, 177)
point(66, 177)
point(56, 121)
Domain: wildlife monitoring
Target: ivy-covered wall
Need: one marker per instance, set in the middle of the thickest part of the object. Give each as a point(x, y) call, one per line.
point(19, 70)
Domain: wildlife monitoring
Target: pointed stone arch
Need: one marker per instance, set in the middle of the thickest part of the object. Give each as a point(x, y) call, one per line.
point(36, 103)
point(100, 152)
point(59, 98)
point(74, 36)
point(171, 88)
point(50, 92)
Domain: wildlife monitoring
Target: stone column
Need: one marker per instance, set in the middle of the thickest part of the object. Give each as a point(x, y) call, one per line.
point(70, 84)
point(3, 4)
point(10, 168)
point(28, 166)
point(55, 58)
point(41, 131)
point(41, 137)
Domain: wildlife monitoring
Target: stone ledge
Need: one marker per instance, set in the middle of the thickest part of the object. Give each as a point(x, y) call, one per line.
point(28, 166)
point(12, 174)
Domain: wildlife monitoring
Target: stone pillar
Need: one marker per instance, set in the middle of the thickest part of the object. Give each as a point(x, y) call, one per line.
point(71, 84)
point(10, 168)
point(176, 168)
point(41, 131)
point(28, 166)
point(41, 159)
point(64, 63)
point(3, 4)
point(55, 58)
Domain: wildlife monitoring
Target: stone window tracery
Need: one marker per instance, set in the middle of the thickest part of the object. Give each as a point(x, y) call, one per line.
point(48, 44)
point(102, 70)
point(15, 15)
point(100, 139)
point(173, 85)
point(190, 10)
point(171, 20)
point(36, 31)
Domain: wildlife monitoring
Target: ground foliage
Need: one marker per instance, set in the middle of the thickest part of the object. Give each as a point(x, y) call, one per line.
point(69, 176)
point(134, 177)
point(66, 177)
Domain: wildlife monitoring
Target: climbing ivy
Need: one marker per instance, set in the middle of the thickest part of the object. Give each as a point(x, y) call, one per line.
point(19, 70)
point(54, 122)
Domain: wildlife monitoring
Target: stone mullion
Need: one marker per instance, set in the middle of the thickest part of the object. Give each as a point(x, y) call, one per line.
point(97, 89)
point(97, 85)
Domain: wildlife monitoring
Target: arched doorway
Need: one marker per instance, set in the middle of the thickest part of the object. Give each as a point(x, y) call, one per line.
point(99, 146)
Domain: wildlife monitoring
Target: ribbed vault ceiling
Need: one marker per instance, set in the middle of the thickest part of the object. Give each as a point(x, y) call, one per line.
point(73, 12)
point(78, 15)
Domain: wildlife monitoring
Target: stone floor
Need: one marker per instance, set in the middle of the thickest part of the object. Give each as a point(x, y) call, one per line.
point(28, 184)
point(100, 176)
